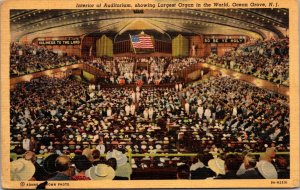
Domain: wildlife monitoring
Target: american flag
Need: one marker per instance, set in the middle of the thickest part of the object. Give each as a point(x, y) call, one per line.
point(142, 42)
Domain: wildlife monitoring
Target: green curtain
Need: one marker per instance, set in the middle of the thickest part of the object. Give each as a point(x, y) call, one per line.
point(180, 46)
point(104, 47)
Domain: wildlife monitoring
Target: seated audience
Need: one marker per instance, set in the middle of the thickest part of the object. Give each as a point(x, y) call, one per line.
point(268, 60)
point(82, 164)
point(112, 162)
point(62, 118)
point(26, 59)
point(62, 165)
point(250, 170)
point(231, 166)
point(183, 172)
point(200, 169)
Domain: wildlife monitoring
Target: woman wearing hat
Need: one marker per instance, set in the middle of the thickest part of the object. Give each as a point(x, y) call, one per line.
point(82, 164)
point(22, 170)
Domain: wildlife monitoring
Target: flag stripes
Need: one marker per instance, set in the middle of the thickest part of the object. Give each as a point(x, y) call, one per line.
point(142, 42)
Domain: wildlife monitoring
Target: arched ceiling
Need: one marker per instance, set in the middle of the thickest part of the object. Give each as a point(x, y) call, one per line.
point(256, 23)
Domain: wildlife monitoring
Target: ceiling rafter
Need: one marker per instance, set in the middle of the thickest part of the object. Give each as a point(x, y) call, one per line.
point(31, 22)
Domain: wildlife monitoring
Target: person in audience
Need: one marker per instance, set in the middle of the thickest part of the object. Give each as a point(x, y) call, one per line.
point(48, 165)
point(217, 165)
point(231, 166)
point(200, 169)
point(22, 170)
point(250, 169)
point(123, 167)
point(88, 153)
point(82, 164)
point(269, 155)
point(112, 162)
point(26, 143)
point(40, 174)
point(282, 168)
point(267, 169)
point(96, 157)
point(101, 146)
point(62, 164)
point(100, 172)
point(183, 172)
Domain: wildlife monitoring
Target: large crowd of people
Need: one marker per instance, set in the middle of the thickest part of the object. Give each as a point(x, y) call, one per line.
point(26, 59)
point(72, 130)
point(179, 64)
point(130, 70)
point(220, 115)
point(104, 64)
point(88, 165)
point(268, 60)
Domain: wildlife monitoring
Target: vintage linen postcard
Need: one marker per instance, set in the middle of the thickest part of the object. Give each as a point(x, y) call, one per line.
point(149, 94)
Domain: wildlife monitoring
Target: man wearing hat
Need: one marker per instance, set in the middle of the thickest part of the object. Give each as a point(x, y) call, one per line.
point(112, 162)
point(100, 172)
point(267, 169)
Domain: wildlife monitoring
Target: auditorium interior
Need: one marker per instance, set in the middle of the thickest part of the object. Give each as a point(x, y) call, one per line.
point(149, 94)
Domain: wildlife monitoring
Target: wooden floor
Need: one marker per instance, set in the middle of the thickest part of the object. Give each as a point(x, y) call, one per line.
point(284, 90)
